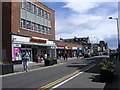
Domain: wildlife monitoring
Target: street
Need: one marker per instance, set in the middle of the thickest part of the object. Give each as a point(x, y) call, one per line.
point(41, 78)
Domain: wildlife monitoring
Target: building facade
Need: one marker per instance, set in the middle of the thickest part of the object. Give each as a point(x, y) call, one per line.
point(27, 26)
point(84, 40)
point(72, 49)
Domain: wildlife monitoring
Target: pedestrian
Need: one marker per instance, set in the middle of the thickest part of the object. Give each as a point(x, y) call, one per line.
point(38, 59)
point(65, 56)
point(25, 58)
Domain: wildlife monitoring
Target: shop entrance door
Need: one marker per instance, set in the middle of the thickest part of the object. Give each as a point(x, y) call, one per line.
point(29, 52)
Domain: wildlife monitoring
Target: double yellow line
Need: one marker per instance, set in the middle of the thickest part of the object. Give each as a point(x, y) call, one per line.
point(58, 81)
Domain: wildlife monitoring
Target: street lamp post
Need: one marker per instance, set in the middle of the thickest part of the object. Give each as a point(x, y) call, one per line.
point(118, 36)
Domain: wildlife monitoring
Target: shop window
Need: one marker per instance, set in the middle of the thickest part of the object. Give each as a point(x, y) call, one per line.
point(23, 23)
point(28, 24)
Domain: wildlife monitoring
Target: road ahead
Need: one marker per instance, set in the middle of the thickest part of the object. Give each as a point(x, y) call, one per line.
point(41, 78)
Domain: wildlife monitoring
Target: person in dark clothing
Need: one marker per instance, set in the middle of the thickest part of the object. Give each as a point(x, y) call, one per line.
point(65, 56)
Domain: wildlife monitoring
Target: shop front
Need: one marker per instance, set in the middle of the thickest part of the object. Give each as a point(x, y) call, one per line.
point(33, 45)
point(59, 51)
point(74, 51)
point(68, 49)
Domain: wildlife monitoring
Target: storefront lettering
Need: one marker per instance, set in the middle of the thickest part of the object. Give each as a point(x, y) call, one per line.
point(37, 40)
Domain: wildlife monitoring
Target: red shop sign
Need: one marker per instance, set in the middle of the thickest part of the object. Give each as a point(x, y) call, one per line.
point(37, 40)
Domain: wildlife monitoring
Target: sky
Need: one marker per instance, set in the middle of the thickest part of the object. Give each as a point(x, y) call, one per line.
point(75, 18)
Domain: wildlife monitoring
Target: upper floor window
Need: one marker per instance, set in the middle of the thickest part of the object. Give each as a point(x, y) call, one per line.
point(23, 5)
point(33, 26)
point(28, 6)
point(42, 12)
point(49, 16)
point(28, 24)
point(39, 11)
point(23, 23)
point(32, 8)
point(49, 30)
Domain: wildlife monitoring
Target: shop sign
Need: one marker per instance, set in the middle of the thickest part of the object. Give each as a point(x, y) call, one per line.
point(59, 47)
point(37, 40)
point(17, 45)
point(67, 47)
point(21, 39)
point(17, 55)
point(79, 48)
point(74, 48)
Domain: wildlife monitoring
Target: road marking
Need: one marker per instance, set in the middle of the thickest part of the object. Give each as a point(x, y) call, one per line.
point(64, 79)
point(32, 70)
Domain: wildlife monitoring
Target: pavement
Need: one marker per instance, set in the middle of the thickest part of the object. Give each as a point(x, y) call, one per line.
point(34, 65)
point(115, 85)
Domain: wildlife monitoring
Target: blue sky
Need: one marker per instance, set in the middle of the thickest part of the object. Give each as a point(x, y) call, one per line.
point(82, 19)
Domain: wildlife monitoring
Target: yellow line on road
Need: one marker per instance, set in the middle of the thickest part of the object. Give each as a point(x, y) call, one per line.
point(58, 81)
point(32, 70)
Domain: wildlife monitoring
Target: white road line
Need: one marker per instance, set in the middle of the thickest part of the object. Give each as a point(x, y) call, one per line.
point(71, 78)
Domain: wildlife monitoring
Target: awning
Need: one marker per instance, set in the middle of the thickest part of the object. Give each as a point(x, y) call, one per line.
point(32, 43)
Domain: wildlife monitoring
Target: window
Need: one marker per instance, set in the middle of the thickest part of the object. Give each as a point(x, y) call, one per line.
point(37, 9)
point(45, 14)
point(49, 30)
point(34, 9)
point(42, 12)
point(38, 27)
point(23, 23)
point(23, 5)
point(42, 29)
point(49, 16)
point(33, 26)
point(28, 6)
point(45, 29)
point(28, 24)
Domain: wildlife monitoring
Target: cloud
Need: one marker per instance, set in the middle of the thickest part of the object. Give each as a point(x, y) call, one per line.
point(80, 7)
point(88, 19)
point(76, 0)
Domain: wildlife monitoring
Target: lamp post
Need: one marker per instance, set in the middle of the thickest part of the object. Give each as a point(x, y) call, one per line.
point(118, 36)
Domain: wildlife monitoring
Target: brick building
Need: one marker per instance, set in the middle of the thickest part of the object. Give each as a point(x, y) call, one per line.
point(27, 25)
point(70, 48)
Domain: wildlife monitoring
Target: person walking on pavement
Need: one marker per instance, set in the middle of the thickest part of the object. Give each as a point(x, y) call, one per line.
point(65, 56)
point(25, 58)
